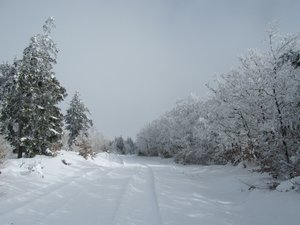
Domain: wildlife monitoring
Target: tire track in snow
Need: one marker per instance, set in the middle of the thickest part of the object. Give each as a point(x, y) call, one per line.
point(154, 194)
point(121, 197)
point(139, 204)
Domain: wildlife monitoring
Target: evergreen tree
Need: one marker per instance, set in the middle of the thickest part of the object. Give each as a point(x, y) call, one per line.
point(30, 118)
point(129, 146)
point(119, 145)
point(77, 121)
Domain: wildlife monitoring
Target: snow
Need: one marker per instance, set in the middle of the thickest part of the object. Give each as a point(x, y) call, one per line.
point(23, 139)
point(288, 185)
point(40, 107)
point(113, 189)
point(54, 131)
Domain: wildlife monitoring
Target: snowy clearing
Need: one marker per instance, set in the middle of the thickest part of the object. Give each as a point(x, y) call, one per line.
point(123, 190)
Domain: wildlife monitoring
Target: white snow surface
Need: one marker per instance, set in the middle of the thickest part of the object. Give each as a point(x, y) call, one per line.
point(131, 190)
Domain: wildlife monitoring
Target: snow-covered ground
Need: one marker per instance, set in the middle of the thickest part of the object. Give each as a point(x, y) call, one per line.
point(123, 190)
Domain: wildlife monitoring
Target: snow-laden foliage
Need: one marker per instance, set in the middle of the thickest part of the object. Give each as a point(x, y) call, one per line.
point(77, 121)
point(30, 118)
point(252, 115)
point(5, 149)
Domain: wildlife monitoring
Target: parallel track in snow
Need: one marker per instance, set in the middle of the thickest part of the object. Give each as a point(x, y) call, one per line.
point(154, 194)
point(31, 196)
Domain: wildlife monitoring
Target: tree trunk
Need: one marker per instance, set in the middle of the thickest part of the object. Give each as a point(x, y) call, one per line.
point(19, 147)
point(282, 128)
point(19, 151)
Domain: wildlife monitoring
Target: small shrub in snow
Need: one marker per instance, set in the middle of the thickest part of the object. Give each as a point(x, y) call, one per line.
point(57, 146)
point(289, 185)
point(84, 147)
point(33, 167)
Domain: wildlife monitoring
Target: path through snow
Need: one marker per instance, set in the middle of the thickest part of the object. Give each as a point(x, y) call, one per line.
point(123, 190)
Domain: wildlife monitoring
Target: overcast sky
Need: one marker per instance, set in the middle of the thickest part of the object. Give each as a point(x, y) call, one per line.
point(132, 60)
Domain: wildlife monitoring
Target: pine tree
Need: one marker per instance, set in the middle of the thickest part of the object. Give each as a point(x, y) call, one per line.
point(10, 110)
point(30, 118)
point(129, 146)
point(119, 145)
point(77, 121)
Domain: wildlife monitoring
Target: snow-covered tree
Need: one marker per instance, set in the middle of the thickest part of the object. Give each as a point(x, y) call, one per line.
point(173, 132)
point(117, 145)
point(98, 142)
point(147, 140)
point(30, 117)
point(77, 120)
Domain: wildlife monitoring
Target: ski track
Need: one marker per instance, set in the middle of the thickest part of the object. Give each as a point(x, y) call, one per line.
point(91, 209)
point(70, 199)
point(56, 208)
point(61, 193)
point(38, 192)
point(138, 204)
point(45, 192)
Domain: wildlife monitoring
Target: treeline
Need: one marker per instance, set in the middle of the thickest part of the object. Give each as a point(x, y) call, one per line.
point(252, 115)
point(30, 119)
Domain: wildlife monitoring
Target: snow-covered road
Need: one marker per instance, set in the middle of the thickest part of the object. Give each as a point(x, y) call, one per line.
point(132, 190)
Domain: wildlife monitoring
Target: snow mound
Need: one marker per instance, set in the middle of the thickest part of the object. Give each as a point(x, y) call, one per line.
point(64, 164)
point(289, 185)
point(35, 168)
point(24, 167)
point(50, 168)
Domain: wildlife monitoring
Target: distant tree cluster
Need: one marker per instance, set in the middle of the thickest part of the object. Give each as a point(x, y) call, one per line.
point(30, 119)
point(121, 146)
point(252, 115)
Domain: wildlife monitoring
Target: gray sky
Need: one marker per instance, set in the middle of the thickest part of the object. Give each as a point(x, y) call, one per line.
point(131, 60)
